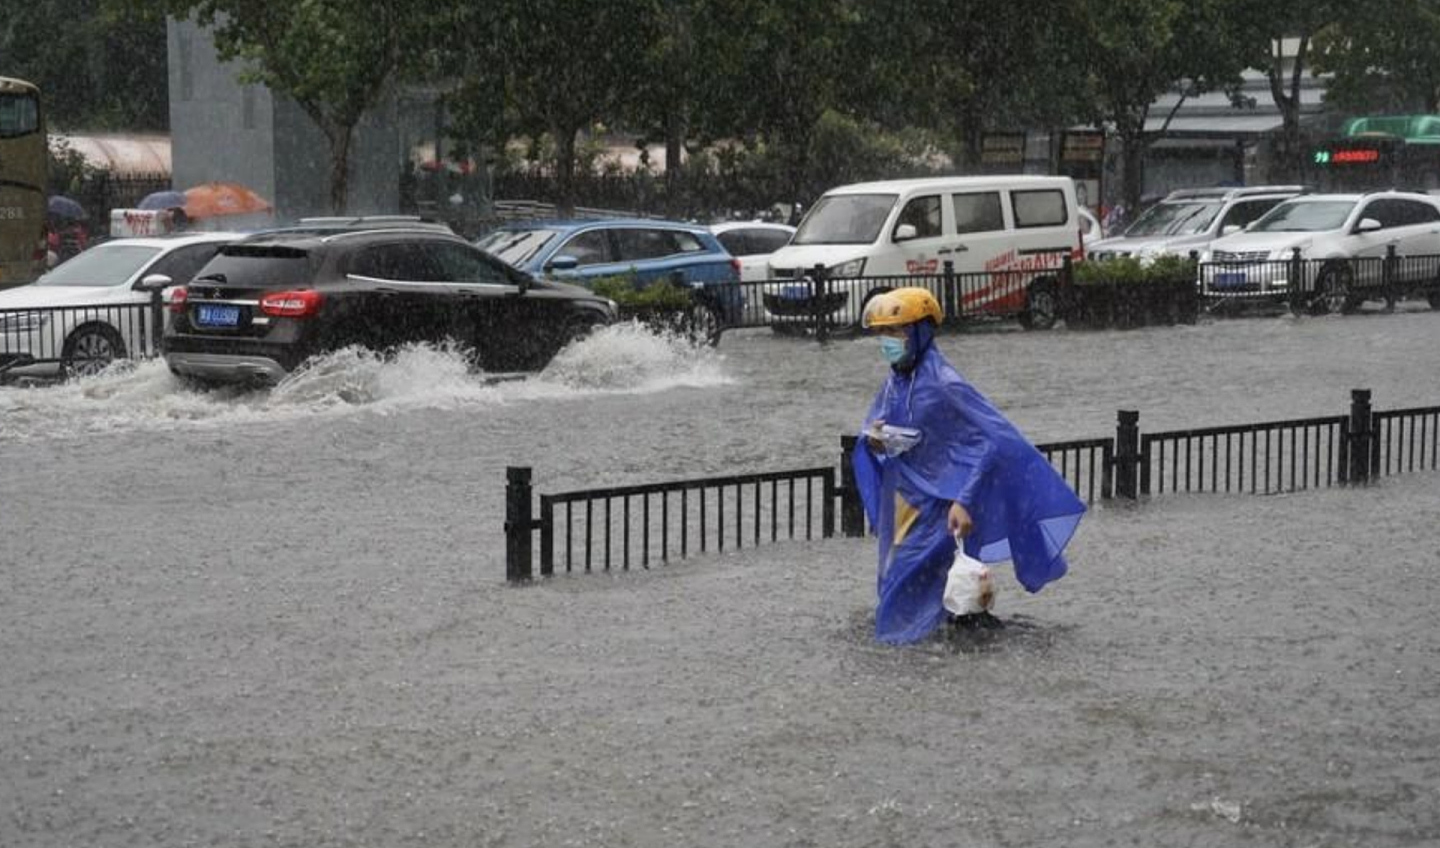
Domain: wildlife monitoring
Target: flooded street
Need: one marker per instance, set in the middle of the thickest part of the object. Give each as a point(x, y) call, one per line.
point(279, 618)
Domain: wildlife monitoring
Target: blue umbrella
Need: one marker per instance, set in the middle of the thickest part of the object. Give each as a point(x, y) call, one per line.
point(163, 200)
point(63, 207)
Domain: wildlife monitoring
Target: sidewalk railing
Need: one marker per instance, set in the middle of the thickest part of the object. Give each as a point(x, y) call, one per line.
point(663, 522)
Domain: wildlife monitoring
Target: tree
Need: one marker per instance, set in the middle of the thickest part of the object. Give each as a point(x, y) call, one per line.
point(1262, 28)
point(548, 66)
point(97, 68)
point(1141, 49)
point(334, 58)
point(1385, 59)
point(968, 66)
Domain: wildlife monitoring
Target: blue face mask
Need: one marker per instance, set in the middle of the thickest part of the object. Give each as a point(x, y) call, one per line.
point(892, 349)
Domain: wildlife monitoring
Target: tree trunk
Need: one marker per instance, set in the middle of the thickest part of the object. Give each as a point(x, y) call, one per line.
point(565, 170)
point(339, 167)
point(1132, 168)
point(972, 137)
point(674, 166)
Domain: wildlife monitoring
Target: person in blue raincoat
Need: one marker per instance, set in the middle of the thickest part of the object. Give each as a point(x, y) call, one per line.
point(938, 462)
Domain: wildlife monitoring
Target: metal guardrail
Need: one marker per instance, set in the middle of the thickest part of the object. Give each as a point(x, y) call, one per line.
point(1262, 458)
point(1335, 285)
point(80, 339)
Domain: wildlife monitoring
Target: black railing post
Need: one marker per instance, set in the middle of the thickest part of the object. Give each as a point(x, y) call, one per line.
point(1298, 301)
point(1387, 278)
point(157, 324)
point(1127, 454)
point(818, 292)
point(518, 524)
point(950, 297)
point(1066, 294)
point(852, 511)
point(547, 536)
point(827, 507)
point(1361, 436)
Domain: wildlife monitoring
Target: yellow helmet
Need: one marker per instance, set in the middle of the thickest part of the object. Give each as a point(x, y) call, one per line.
point(900, 307)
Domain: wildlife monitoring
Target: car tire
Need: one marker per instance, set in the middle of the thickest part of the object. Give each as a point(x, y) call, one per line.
point(1333, 291)
point(703, 324)
point(1042, 306)
point(90, 349)
point(580, 327)
point(1434, 300)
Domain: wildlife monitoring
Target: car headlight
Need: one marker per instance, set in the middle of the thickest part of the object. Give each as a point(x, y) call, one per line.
point(853, 268)
point(22, 322)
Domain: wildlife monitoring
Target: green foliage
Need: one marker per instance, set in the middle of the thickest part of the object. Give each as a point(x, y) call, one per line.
point(67, 168)
point(1129, 271)
point(1384, 60)
point(625, 290)
point(97, 67)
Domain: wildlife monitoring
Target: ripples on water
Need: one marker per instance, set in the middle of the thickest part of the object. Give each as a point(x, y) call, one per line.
point(622, 359)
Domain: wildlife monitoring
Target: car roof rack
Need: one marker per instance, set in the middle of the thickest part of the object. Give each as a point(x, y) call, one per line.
point(1227, 192)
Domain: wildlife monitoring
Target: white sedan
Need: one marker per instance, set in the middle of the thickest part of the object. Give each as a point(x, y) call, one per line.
point(87, 312)
point(752, 242)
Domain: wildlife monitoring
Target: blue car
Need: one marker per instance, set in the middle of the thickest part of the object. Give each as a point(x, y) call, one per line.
point(651, 250)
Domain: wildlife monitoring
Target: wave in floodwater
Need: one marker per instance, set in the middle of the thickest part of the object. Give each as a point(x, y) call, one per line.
point(623, 359)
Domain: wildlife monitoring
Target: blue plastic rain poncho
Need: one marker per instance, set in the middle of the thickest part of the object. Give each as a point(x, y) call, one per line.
point(967, 453)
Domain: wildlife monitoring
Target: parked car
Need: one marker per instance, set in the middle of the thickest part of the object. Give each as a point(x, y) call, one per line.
point(93, 309)
point(1005, 235)
point(648, 250)
point(1342, 240)
point(1189, 219)
point(752, 242)
point(265, 305)
point(1091, 230)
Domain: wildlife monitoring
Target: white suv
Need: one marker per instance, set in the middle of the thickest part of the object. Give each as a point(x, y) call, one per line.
point(1343, 240)
point(1189, 219)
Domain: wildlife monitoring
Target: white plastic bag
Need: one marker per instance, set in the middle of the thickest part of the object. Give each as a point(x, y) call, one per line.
point(969, 588)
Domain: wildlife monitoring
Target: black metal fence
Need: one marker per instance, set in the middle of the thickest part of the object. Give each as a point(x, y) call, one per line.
point(1317, 286)
point(80, 339)
point(617, 528)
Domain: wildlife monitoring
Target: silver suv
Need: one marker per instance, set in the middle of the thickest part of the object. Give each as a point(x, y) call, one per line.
point(1189, 219)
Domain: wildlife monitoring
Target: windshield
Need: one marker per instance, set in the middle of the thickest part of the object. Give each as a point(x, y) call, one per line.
point(104, 265)
point(516, 247)
point(845, 219)
point(1174, 219)
point(1305, 217)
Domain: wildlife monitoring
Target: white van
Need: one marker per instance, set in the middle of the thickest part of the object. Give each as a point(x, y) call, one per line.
point(1006, 235)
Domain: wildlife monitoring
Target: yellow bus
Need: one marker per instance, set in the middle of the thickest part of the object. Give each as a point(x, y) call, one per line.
point(22, 183)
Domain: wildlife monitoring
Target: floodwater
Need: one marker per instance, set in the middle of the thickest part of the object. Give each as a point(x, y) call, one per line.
point(279, 618)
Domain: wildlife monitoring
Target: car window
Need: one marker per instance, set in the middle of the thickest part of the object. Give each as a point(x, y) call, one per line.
point(516, 246)
point(458, 263)
point(267, 265)
point(636, 244)
point(735, 242)
point(588, 248)
point(923, 213)
point(687, 242)
point(978, 213)
point(1304, 216)
point(1390, 213)
point(767, 240)
point(1245, 211)
point(401, 262)
point(1422, 213)
point(845, 219)
point(1044, 208)
point(107, 265)
point(183, 263)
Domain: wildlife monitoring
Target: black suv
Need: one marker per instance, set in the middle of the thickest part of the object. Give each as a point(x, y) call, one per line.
point(264, 305)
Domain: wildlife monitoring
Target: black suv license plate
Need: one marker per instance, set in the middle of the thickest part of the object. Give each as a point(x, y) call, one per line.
point(208, 315)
